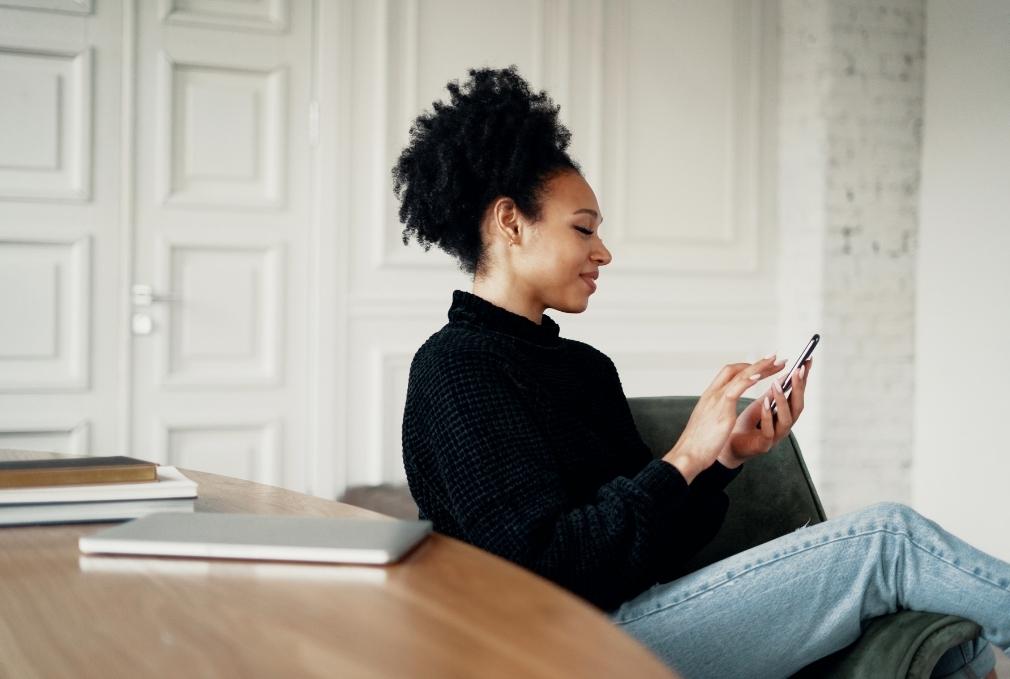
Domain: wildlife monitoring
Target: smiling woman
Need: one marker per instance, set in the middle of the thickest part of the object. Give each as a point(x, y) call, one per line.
point(487, 179)
point(522, 442)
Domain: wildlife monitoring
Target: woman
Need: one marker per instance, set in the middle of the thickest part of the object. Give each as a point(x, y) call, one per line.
point(522, 443)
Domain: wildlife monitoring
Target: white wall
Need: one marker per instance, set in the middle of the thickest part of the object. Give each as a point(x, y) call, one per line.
point(962, 460)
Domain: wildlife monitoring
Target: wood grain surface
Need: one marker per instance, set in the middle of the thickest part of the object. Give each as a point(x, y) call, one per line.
point(446, 610)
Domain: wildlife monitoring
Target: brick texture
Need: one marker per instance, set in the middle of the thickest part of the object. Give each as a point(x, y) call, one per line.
point(851, 98)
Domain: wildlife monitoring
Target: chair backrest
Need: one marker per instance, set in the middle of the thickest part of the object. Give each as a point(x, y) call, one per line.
point(772, 496)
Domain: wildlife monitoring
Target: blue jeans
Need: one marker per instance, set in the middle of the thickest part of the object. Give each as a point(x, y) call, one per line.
point(777, 607)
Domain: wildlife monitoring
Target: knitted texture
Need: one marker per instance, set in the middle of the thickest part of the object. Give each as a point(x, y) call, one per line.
point(522, 443)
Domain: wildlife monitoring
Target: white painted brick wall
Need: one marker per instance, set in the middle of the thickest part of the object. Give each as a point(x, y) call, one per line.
point(849, 137)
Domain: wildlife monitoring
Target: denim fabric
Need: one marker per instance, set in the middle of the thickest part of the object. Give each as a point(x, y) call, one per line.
point(777, 607)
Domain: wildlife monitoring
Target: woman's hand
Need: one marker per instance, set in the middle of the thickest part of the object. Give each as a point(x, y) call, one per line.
point(746, 440)
point(713, 418)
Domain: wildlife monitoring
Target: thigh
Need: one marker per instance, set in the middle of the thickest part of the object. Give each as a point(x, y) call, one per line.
point(768, 611)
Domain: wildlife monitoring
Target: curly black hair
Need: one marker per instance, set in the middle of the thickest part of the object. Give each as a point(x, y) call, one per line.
point(494, 138)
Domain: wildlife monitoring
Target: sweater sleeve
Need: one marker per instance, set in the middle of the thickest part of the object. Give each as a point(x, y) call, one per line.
point(506, 492)
point(704, 511)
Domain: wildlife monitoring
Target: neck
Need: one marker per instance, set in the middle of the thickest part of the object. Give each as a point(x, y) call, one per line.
point(498, 293)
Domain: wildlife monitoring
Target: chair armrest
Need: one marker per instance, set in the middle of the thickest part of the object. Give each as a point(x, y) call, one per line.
point(899, 645)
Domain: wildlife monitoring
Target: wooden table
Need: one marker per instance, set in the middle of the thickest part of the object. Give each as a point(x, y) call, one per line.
point(447, 610)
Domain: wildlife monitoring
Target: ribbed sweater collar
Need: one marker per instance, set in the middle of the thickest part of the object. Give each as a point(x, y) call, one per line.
point(476, 311)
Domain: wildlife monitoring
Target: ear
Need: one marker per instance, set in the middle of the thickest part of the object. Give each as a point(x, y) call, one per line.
point(506, 219)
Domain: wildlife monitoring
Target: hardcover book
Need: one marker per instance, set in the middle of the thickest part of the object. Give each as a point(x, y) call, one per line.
point(19, 470)
point(171, 484)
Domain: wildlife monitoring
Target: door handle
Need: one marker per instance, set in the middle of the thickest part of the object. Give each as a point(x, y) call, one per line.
point(144, 295)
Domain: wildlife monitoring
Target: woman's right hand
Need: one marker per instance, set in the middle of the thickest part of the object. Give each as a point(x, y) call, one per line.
point(711, 422)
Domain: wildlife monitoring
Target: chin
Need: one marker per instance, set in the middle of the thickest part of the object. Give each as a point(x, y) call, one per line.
point(577, 308)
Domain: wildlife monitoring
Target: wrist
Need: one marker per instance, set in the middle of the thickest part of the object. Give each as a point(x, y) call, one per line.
point(688, 466)
point(728, 459)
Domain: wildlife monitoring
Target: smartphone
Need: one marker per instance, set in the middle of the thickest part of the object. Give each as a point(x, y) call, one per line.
point(788, 384)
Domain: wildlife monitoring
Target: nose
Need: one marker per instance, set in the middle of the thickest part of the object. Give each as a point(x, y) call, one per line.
point(601, 254)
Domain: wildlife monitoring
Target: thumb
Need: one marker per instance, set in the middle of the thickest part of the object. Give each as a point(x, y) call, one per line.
point(752, 442)
point(752, 413)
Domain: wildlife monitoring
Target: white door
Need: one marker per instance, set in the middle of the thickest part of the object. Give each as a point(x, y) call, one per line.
point(60, 274)
point(222, 215)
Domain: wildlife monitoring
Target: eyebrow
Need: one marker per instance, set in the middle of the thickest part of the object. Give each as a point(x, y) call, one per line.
point(588, 211)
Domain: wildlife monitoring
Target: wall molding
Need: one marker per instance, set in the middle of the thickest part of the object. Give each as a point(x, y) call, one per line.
point(265, 368)
point(59, 6)
point(265, 189)
point(78, 434)
point(266, 464)
point(68, 370)
point(70, 179)
point(272, 17)
point(735, 248)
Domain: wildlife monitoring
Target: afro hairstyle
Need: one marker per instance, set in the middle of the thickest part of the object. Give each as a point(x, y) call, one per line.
point(494, 138)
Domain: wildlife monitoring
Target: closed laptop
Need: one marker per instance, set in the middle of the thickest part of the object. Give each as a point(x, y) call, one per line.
point(257, 536)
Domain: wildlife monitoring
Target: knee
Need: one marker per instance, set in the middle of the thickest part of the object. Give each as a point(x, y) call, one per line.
point(893, 513)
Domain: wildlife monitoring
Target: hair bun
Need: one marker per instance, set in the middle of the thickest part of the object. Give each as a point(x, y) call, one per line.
point(494, 137)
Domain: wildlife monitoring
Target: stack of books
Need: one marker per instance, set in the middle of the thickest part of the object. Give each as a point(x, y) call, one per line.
point(46, 488)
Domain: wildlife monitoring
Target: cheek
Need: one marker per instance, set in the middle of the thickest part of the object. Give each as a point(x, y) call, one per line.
point(564, 267)
point(570, 257)
point(559, 264)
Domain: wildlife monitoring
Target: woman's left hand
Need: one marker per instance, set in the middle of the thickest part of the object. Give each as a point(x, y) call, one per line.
point(747, 440)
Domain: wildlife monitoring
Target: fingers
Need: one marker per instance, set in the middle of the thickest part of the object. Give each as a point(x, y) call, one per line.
point(767, 426)
point(749, 376)
point(782, 410)
point(726, 374)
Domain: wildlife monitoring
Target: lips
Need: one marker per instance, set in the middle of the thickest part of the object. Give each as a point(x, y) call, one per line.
point(590, 279)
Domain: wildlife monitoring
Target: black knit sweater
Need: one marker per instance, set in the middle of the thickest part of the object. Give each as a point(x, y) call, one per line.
point(521, 442)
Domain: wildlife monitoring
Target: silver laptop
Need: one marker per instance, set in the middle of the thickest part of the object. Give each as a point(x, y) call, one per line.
point(255, 536)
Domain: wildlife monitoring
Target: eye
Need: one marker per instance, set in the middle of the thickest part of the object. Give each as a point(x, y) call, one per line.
point(584, 230)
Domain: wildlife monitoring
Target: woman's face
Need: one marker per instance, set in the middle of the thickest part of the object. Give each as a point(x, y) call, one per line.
point(560, 255)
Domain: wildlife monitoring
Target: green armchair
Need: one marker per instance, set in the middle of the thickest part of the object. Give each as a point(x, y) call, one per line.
point(775, 496)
